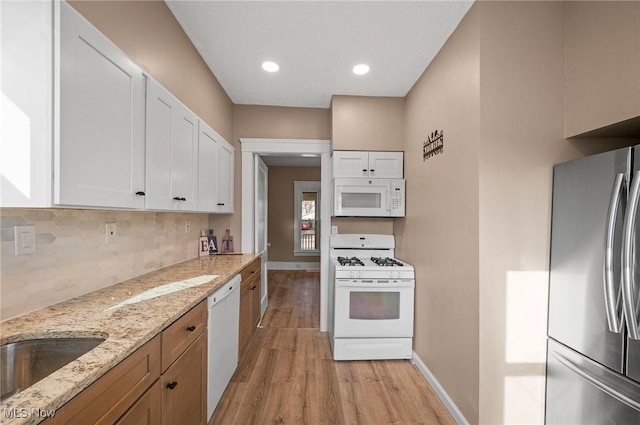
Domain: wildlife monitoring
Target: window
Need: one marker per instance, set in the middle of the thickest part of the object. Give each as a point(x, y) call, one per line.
point(306, 218)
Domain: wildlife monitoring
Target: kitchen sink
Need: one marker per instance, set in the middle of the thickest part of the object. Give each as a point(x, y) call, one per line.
point(24, 363)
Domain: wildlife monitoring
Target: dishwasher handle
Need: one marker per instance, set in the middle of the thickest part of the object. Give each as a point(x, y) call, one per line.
point(224, 291)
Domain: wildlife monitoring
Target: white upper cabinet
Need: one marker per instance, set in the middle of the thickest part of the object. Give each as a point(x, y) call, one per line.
point(215, 172)
point(26, 66)
point(99, 151)
point(171, 152)
point(226, 157)
point(208, 147)
point(73, 122)
point(368, 164)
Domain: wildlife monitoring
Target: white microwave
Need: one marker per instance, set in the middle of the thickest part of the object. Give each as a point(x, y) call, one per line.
point(358, 197)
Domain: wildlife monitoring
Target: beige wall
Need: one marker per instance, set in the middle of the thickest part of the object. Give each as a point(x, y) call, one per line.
point(367, 123)
point(275, 122)
point(522, 82)
point(478, 216)
point(281, 210)
point(439, 235)
point(149, 33)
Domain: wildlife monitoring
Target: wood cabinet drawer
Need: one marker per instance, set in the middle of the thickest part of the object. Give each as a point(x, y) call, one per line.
point(177, 337)
point(107, 399)
point(248, 272)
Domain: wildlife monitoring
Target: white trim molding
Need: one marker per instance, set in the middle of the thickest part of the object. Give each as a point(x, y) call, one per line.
point(440, 392)
point(293, 265)
point(250, 147)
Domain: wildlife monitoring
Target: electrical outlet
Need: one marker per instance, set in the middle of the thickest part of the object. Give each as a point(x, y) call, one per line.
point(334, 230)
point(187, 226)
point(110, 232)
point(24, 239)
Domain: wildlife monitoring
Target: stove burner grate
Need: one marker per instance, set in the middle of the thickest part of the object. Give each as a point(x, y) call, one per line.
point(386, 262)
point(353, 261)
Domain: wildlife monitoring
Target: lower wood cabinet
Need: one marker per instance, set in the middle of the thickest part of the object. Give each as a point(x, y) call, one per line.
point(184, 387)
point(145, 411)
point(111, 396)
point(163, 382)
point(249, 303)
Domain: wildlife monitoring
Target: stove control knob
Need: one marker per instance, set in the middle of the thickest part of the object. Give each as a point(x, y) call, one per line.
point(351, 273)
point(359, 274)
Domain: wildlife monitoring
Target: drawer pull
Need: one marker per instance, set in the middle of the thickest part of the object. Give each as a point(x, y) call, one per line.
point(140, 193)
point(172, 385)
point(191, 328)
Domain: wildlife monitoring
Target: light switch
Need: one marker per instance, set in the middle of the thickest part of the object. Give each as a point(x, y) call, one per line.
point(24, 238)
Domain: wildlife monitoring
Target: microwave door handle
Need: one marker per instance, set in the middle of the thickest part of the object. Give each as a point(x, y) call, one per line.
point(615, 317)
point(387, 190)
point(629, 294)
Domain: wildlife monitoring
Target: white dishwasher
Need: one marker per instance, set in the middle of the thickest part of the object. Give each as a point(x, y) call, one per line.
point(223, 326)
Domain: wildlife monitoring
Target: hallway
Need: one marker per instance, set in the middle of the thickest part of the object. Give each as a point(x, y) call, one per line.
point(288, 376)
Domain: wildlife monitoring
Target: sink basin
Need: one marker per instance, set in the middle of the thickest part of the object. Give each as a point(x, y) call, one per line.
point(24, 363)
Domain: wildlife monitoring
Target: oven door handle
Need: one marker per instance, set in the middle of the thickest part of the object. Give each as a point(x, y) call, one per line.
point(387, 287)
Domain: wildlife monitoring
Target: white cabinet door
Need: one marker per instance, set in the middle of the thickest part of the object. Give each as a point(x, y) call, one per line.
point(386, 164)
point(171, 152)
point(208, 147)
point(26, 67)
point(226, 156)
point(99, 152)
point(368, 164)
point(350, 164)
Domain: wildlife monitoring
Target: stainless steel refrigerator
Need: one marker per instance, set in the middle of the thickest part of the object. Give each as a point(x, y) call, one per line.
point(593, 352)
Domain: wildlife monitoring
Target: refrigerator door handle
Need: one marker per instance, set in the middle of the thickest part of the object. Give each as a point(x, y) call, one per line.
point(628, 260)
point(615, 316)
point(597, 382)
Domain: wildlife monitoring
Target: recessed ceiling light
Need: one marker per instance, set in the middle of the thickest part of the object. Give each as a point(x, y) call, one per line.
point(361, 69)
point(270, 66)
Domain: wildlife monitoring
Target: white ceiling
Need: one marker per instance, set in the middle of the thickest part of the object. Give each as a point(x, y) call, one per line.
point(317, 43)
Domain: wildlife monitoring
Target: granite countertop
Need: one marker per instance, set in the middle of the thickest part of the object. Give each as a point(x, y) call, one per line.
point(128, 314)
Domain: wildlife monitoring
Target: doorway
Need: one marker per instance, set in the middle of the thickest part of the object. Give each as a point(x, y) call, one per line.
point(252, 149)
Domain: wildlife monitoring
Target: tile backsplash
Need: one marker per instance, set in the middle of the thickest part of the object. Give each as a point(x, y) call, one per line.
point(72, 257)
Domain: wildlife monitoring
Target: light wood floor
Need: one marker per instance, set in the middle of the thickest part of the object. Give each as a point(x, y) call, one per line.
point(288, 376)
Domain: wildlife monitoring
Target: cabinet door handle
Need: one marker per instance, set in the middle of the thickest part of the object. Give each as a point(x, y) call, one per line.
point(191, 328)
point(172, 385)
point(253, 288)
point(140, 193)
point(372, 170)
point(177, 198)
point(220, 204)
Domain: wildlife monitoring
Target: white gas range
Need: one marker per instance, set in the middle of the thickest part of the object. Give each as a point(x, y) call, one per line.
point(371, 294)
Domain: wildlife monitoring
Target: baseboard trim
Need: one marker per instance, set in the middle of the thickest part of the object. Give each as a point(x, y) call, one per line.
point(440, 392)
point(292, 265)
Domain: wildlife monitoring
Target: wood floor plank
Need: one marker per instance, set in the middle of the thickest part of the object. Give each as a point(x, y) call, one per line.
point(288, 375)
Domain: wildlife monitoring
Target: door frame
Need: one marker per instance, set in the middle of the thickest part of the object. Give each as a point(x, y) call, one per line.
point(262, 146)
